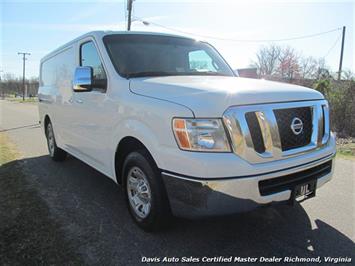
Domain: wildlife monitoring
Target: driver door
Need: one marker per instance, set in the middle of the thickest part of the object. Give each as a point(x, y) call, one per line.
point(92, 118)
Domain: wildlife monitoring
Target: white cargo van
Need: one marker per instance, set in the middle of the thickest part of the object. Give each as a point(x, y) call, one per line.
point(167, 118)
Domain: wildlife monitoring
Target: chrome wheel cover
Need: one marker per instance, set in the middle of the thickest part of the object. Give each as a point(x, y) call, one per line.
point(139, 193)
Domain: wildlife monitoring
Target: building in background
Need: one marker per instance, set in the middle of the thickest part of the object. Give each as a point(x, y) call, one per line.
point(247, 72)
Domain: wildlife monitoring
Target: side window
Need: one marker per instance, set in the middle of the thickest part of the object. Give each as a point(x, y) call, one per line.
point(200, 61)
point(90, 57)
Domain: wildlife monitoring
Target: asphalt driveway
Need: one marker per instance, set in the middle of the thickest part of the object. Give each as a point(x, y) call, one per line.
point(92, 216)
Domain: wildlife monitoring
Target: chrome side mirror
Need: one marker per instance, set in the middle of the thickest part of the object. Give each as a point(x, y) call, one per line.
point(83, 79)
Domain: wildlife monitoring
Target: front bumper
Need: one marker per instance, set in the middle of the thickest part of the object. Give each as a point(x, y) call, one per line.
point(192, 197)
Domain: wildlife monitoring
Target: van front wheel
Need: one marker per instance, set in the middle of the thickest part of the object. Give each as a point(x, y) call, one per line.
point(145, 191)
point(57, 154)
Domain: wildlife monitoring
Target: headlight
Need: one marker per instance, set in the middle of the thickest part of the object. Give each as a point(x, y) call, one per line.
point(201, 135)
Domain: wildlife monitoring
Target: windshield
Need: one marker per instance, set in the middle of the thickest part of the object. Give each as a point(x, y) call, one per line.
point(138, 55)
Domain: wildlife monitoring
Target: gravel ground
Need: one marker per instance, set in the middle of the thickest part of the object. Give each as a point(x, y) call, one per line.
point(29, 235)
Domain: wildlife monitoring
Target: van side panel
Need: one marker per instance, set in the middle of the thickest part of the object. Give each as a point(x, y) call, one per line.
point(55, 90)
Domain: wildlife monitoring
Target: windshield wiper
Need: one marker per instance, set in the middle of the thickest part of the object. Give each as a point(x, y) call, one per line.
point(207, 73)
point(149, 74)
point(164, 73)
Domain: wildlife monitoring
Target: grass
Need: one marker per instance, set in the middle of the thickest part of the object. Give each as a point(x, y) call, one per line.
point(8, 151)
point(20, 100)
point(347, 152)
point(29, 234)
point(346, 148)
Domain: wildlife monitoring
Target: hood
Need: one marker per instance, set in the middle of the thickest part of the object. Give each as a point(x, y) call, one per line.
point(210, 96)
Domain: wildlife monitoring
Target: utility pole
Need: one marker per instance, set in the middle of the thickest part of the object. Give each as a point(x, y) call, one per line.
point(23, 73)
point(341, 54)
point(2, 87)
point(129, 8)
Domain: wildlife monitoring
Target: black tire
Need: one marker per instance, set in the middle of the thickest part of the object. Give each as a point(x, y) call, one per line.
point(159, 215)
point(57, 154)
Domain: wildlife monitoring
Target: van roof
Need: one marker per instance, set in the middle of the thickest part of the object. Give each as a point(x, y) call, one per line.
point(101, 34)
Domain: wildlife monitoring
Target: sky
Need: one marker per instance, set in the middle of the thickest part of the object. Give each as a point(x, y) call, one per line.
point(39, 27)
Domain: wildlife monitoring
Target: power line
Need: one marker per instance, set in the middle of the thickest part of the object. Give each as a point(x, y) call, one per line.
point(333, 46)
point(241, 40)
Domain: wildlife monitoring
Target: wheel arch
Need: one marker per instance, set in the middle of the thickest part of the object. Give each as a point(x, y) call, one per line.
point(127, 145)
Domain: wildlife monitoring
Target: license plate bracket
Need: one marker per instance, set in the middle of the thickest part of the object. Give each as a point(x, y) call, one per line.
point(304, 191)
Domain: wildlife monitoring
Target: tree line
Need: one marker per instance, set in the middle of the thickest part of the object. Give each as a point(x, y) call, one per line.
point(287, 64)
point(10, 85)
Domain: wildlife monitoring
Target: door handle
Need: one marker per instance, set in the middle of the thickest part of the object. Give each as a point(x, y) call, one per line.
point(71, 100)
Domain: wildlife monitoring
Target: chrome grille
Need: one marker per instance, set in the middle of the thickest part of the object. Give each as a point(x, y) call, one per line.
point(262, 133)
point(284, 119)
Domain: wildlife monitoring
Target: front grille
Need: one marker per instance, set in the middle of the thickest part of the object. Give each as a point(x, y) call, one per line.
point(288, 182)
point(284, 117)
point(269, 132)
point(255, 132)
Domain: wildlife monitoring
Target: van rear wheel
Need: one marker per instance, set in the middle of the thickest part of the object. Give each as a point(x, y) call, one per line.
point(56, 153)
point(145, 192)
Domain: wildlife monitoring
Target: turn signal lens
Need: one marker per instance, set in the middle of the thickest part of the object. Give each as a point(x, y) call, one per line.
point(181, 133)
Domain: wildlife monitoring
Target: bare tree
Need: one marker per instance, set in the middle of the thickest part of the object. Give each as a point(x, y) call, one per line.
point(322, 69)
point(348, 75)
point(288, 63)
point(274, 61)
point(308, 67)
point(267, 60)
point(285, 63)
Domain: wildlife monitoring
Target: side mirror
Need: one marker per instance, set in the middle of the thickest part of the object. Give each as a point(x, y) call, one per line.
point(83, 79)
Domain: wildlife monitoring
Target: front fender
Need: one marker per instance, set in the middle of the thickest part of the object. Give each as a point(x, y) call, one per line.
point(148, 120)
point(139, 130)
